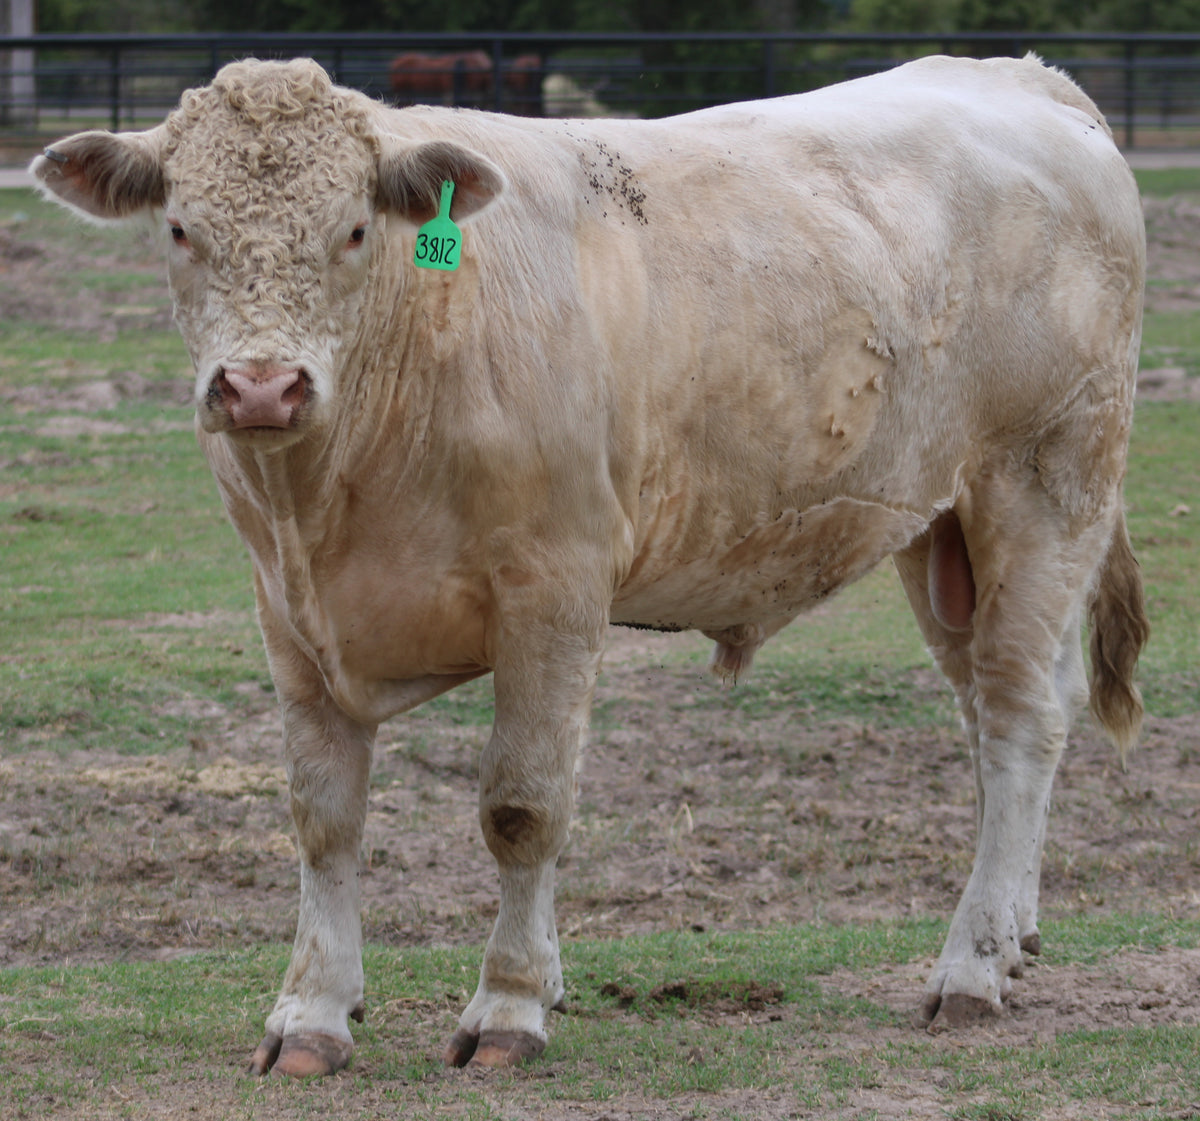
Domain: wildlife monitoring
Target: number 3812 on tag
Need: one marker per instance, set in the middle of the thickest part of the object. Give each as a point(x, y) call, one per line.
point(440, 251)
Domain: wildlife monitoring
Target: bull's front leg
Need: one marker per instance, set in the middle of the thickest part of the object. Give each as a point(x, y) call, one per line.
point(328, 761)
point(527, 786)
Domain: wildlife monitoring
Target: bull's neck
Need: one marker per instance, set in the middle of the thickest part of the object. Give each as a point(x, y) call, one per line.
point(374, 436)
point(293, 547)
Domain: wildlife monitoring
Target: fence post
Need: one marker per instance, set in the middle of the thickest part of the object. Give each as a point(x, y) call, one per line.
point(768, 67)
point(498, 75)
point(1130, 54)
point(21, 108)
point(458, 83)
point(114, 86)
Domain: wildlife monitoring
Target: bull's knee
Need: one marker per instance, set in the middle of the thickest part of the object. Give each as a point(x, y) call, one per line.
point(515, 825)
point(520, 832)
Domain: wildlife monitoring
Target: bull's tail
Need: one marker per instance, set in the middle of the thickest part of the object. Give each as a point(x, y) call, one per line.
point(1119, 631)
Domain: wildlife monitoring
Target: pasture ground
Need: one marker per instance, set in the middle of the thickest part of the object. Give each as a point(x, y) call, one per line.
point(704, 812)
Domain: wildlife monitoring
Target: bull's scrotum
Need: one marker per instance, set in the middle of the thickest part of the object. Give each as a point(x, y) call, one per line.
point(653, 406)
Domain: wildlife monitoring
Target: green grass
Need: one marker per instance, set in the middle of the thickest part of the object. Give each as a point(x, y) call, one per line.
point(1171, 338)
point(103, 530)
point(657, 1015)
point(41, 223)
point(104, 533)
point(1163, 492)
point(859, 657)
point(1163, 488)
point(76, 357)
point(1165, 182)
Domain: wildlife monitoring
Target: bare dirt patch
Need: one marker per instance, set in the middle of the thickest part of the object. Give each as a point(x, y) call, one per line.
point(1129, 989)
point(42, 284)
point(1172, 234)
point(691, 816)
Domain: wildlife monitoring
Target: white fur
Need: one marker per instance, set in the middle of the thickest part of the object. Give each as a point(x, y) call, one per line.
point(698, 372)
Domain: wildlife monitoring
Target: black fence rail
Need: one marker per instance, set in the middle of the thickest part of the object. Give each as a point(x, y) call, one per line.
point(1147, 85)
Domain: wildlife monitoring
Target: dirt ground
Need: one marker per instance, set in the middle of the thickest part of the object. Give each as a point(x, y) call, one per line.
point(690, 815)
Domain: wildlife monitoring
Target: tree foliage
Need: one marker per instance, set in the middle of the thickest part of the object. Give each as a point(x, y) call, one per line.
point(938, 16)
point(950, 16)
point(90, 17)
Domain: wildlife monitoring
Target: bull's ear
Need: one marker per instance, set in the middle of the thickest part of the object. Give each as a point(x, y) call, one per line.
point(410, 180)
point(103, 174)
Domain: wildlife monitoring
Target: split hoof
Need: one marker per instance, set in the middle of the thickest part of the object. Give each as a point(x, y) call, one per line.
point(301, 1056)
point(956, 1010)
point(461, 1047)
point(265, 1054)
point(492, 1049)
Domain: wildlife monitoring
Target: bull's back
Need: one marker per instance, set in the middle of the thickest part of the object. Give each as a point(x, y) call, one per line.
point(851, 297)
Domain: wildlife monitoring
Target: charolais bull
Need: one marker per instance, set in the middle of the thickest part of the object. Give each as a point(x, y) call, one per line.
point(473, 387)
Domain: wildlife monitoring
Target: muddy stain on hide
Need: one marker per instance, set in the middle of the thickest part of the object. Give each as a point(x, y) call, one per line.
point(608, 175)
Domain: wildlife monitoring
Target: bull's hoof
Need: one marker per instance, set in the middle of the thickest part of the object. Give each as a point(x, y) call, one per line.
point(956, 1010)
point(265, 1054)
point(461, 1047)
point(506, 1048)
point(301, 1056)
point(1032, 944)
point(492, 1048)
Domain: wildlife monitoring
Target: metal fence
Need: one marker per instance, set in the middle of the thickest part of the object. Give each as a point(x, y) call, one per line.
point(1147, 85)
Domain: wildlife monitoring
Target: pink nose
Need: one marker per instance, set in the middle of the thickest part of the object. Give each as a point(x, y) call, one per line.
point(260, 394)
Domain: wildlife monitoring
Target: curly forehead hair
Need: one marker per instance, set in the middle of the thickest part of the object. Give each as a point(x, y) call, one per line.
point(262, 157)
point(280, 121)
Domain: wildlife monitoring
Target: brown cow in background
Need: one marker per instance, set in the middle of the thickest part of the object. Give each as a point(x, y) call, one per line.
point(467, 78)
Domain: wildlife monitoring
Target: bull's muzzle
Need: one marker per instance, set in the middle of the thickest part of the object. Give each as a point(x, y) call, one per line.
point(260, 394)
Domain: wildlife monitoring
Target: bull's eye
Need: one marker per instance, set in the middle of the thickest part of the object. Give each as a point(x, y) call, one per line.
point(178, 235)
point(357, 236)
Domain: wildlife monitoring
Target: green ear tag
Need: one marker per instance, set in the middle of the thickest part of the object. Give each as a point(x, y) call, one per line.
point(439, 241)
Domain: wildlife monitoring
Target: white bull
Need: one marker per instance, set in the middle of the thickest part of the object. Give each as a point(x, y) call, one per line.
point(690, 373)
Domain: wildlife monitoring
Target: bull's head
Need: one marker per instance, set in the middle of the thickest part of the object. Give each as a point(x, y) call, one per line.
point(274, 187)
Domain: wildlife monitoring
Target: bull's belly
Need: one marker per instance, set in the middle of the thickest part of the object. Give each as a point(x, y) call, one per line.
point(767, 574)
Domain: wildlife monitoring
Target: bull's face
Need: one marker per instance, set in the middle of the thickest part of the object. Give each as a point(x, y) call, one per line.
point(272, 185)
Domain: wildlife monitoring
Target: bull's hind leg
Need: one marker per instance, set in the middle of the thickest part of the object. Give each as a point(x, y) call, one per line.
point(937, 578)
point(544, 684)
point(1016, 666)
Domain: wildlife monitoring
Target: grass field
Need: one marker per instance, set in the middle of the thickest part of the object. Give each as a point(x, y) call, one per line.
point(712, 1047)
point(126, 633)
